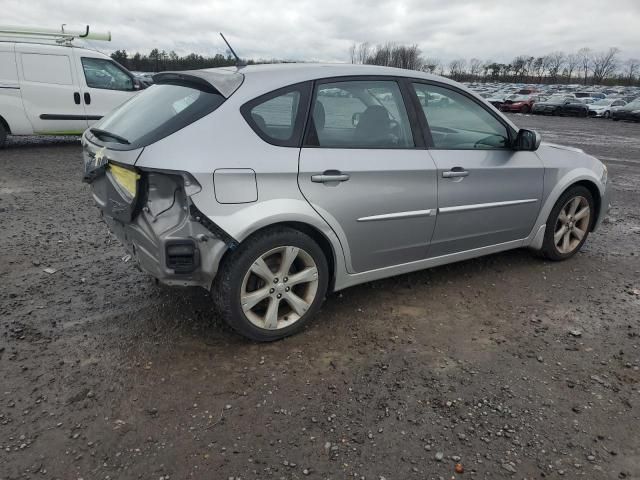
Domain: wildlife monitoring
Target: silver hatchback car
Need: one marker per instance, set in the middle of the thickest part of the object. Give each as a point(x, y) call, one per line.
point(273, 185)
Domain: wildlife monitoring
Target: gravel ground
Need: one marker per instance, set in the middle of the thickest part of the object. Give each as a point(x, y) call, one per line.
point(510, 366)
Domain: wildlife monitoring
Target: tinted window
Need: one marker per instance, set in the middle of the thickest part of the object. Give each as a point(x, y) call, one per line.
point(360, 114)
point(457, 122)
point(159, 111)
point(101, 73)
point(276, 116)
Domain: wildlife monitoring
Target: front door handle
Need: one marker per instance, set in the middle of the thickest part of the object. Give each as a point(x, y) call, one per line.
point(330, 176)
point(455, 173)
point(87, 98)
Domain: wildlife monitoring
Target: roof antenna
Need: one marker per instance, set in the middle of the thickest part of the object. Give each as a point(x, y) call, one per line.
point(239, 63)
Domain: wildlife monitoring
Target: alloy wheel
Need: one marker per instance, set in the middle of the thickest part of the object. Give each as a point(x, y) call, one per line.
point(572, 224)
point(279, 287)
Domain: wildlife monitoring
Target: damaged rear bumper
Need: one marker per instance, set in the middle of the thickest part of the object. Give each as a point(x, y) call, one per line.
point(165, 233)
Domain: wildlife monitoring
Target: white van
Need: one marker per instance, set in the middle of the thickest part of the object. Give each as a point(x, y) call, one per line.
point(56, 88)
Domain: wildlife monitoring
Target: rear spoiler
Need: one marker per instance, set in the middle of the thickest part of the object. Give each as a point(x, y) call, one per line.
point(218, 80)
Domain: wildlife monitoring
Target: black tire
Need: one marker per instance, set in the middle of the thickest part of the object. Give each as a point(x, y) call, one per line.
point(607, 114)
point(525, 109)
point(549, 249)
point(228, 285)
point(3, 135)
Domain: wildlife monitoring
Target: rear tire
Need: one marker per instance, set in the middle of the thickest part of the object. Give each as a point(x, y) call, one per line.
point(525, 109)
point(3, 136)
point(272, 285)
point(607, 114)
point(568, 224)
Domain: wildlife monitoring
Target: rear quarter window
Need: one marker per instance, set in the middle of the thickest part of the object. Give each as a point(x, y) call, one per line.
point(278, 117)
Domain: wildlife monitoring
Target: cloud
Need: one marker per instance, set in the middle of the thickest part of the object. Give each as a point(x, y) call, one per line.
point(313, 30)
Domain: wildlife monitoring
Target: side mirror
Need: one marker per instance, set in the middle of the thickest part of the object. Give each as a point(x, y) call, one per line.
point(527, 140)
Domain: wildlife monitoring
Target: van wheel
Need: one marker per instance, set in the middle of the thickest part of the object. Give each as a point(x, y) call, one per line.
point(272, 285)
point(3, 135)
point(568, 224)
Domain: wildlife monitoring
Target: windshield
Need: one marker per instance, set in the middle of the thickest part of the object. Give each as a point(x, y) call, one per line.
point(521, 98)
point(633, 105)
point(557, 100)
point(603, 102)
point(156, 113)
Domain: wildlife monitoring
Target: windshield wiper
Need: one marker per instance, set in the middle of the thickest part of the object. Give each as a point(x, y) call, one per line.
point(98, 133)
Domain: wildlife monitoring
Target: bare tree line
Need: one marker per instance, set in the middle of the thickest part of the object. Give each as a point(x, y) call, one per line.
point(584, 66)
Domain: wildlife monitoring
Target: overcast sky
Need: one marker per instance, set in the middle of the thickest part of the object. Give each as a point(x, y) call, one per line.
point(324, 30)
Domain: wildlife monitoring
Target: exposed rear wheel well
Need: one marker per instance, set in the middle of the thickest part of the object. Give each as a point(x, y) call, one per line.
point(312, 232)
point(595, 193)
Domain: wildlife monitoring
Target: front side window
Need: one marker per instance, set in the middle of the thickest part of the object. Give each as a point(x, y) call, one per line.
point(360, 114)
point(104, 74)
point(457, 122)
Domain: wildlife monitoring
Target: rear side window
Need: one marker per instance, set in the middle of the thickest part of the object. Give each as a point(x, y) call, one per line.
point(157, 112)
point(54, 69)
point(278, 117)
point(360, 114)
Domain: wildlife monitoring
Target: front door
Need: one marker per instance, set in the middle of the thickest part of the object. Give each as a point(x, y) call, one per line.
point(361, 171)
point(49, 87)
point(487, 193)
point(105, 84)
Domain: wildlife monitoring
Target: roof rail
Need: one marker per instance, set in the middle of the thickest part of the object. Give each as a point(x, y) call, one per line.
point(60, 36)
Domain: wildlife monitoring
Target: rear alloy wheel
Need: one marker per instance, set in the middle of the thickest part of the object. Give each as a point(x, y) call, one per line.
point(607, 114)
point(272, 285)
point(569, 224)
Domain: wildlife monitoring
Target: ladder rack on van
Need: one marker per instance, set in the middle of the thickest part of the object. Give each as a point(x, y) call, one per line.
point(60, 36)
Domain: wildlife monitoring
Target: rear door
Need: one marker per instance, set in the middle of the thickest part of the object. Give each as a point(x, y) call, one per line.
point(366, 174)
point(487, 193)
point(104, 84)
point(49, 86)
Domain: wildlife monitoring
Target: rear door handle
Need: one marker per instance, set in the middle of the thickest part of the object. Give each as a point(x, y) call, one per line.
point(330, 176)
point(87, 98)
point(455, 173)
point(76, 98)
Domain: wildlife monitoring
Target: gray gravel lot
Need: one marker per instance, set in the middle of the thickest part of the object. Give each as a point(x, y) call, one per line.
point(508, 365)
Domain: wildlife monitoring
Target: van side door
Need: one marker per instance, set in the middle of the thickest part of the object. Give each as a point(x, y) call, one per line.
point(49, 87)
point(104, 84)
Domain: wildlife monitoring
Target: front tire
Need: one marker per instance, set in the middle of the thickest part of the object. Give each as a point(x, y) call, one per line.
point(568, 224)
point(272, 285)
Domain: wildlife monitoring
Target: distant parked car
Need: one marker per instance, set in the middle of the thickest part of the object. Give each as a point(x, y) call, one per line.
point(604, 107)
point(497, 100)
point(631, 112)
point(561, 106)
point(519, 103)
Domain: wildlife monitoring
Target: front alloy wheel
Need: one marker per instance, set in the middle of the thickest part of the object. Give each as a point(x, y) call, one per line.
point(272, 284)
point(572, 224)
point(568, 224)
